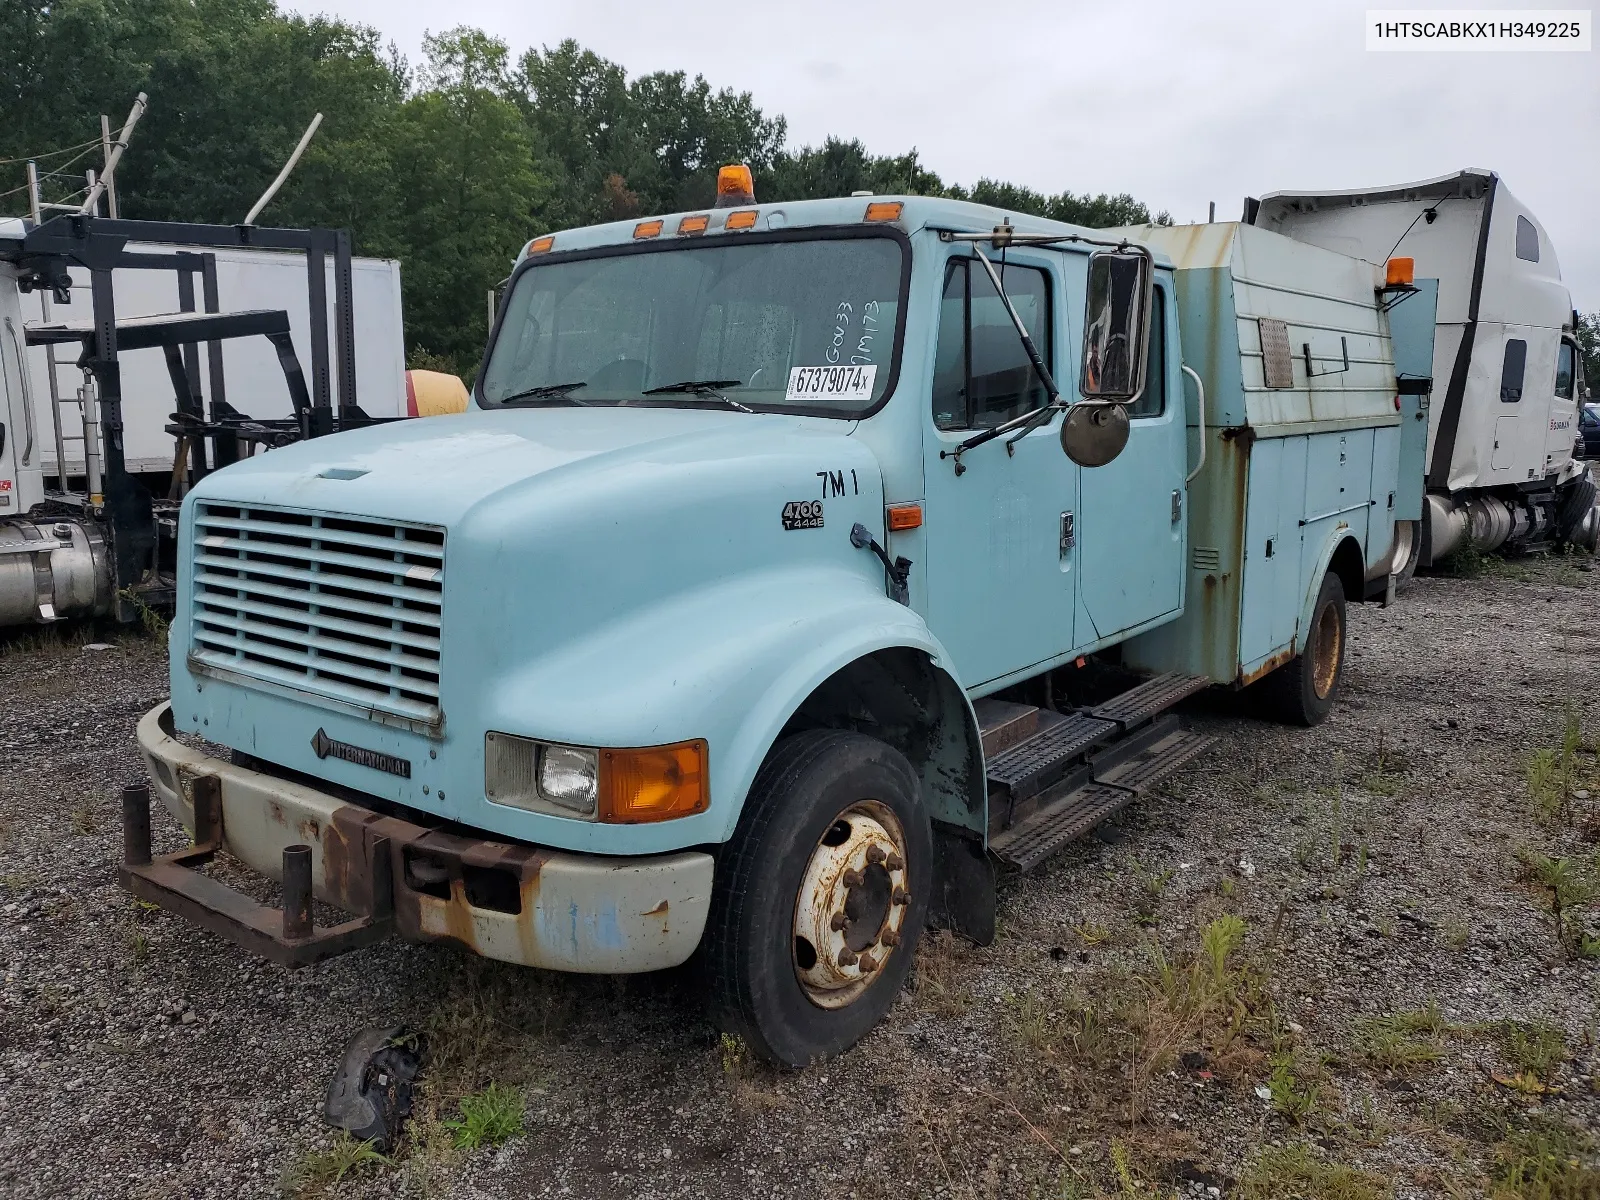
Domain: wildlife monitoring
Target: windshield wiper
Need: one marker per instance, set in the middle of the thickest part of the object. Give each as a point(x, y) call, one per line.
point(545, 390)
point(702, 387)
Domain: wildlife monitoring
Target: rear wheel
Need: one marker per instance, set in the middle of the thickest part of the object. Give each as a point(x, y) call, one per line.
point(1302, 691)
point(819, 897)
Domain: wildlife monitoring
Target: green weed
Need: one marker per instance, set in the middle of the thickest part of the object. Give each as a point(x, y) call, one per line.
point(1294, 1101)
point(1293, 1171)
point(1545, 1160)
point(488, 1118)
point(1570, 887)
point(315, 1172)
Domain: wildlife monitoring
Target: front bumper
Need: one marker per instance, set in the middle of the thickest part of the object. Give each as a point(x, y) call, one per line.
point(509, 901)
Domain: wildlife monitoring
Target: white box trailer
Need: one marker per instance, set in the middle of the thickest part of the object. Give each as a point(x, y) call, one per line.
point(1504, 404)
point(253, 383)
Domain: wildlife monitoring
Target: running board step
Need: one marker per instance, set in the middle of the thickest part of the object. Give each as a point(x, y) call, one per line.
point(1062, 819)
point(1150, 698)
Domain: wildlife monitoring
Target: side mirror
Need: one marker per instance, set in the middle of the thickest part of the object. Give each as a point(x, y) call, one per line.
point(1116, 326)
point(1115, 358)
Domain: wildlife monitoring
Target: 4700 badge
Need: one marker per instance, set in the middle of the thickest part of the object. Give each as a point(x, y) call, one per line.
point(802, 514)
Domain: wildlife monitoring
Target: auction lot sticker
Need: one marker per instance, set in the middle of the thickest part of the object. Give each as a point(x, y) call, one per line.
point(845, 382)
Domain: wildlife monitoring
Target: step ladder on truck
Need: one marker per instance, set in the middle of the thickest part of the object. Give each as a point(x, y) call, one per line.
point(774, 588)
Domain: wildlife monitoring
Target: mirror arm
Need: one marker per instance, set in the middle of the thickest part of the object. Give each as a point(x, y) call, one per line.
point(988, 435)
point(1028, 347)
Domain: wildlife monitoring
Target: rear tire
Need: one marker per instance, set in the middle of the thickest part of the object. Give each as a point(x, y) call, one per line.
point(1303, 690)
point(819, 897)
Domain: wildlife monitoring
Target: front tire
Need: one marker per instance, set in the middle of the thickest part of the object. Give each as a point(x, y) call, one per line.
point(820, 897)
point(1303, 691)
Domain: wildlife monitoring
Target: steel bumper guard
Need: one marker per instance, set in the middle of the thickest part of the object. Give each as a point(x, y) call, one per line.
point(510, 901)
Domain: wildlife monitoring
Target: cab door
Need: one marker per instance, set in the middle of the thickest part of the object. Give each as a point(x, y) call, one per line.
point(1132, 527)
point(1000, 534)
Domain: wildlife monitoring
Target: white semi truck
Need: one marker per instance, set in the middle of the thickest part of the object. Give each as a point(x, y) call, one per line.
point(1507, 371)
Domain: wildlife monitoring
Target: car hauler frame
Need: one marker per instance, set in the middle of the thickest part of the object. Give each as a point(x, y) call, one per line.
point(111, 547)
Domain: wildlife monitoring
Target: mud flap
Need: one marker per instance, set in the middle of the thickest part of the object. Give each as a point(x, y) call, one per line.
point(963, 900)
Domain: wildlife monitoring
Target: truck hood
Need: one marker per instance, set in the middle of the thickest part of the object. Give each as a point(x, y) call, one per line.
point(436, 470)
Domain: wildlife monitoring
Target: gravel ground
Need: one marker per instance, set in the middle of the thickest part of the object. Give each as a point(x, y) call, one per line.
point(1397, 1017)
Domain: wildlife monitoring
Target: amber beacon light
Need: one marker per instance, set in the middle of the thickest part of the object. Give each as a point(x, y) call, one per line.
point(1400, 272)
point(735, 187)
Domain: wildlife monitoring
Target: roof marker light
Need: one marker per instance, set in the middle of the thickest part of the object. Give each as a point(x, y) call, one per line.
point(646, 229)
point(695, 224)
point(884, 210)
point(745, 218)
point(541, 245)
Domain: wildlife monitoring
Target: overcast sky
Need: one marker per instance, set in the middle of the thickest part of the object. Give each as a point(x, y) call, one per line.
point(1178, 103)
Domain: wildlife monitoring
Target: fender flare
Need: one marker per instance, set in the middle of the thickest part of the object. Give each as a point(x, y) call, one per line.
point(1335, 539)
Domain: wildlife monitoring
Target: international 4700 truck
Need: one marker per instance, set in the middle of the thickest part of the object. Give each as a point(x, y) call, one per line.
point(793, 564)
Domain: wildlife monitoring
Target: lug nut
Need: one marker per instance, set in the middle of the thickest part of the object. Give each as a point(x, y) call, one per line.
point(868, 963)
point(895, 862)
point(889, 937)
point(852, 878)
point(874, 854)
point(847, 957)
point(838, 921)
point(901, 896)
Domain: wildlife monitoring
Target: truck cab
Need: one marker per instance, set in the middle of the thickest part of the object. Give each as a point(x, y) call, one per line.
point(732, 614)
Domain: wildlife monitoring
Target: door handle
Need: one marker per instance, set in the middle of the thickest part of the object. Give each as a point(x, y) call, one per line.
point(1069, 536)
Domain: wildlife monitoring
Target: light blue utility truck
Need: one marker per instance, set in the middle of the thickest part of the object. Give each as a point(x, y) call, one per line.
point(794, 564)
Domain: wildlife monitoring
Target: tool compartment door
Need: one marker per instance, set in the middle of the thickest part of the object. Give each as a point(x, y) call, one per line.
point(1269, 607)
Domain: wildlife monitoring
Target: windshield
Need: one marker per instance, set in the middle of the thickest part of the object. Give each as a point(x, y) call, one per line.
point(739, 320)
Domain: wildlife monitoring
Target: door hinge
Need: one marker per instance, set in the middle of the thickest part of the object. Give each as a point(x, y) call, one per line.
point(1177, 506)
point(1069, 536)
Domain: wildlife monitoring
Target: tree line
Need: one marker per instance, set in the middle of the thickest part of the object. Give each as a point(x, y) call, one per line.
point(449, 165)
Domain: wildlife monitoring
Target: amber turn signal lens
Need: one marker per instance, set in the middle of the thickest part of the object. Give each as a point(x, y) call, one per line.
point(694, 224)
point(904, 516)
point(745, 218)
point(884, 210)
point(735, 180)
point(656, 783)
point(1400, 272)
point(541, 245)
point(647, 229)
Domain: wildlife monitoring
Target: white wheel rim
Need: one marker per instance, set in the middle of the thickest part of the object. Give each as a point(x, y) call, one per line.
point(851, 906)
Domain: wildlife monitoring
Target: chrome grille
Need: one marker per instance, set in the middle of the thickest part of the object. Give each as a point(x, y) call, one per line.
point(342, 607)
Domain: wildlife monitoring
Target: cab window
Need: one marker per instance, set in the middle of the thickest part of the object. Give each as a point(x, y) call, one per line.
point(1566, 370)
point(1154, 401)
point(982, 376)
point(1511, 370)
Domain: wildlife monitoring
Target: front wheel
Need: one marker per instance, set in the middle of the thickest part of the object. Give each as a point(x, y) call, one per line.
point(1302, 691)
point(819, 897)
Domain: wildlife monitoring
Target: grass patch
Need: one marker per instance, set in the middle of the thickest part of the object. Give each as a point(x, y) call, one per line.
point(1285, 1171)
point(942, 975)
point(1533, 1047)
point(1545, 1160)
point(317, 1172)
point(1403, 1041)
point(1553, 774)
point(1291, 1097)
point(1569, 886)
point(1207, 992)
point(488, 1118)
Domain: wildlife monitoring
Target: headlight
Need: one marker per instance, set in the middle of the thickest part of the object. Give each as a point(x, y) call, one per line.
point(569, 777)
point(623, 786)
point(528, 774)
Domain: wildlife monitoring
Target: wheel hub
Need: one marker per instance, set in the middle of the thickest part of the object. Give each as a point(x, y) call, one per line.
point(1325, 646)
point(851, 906)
